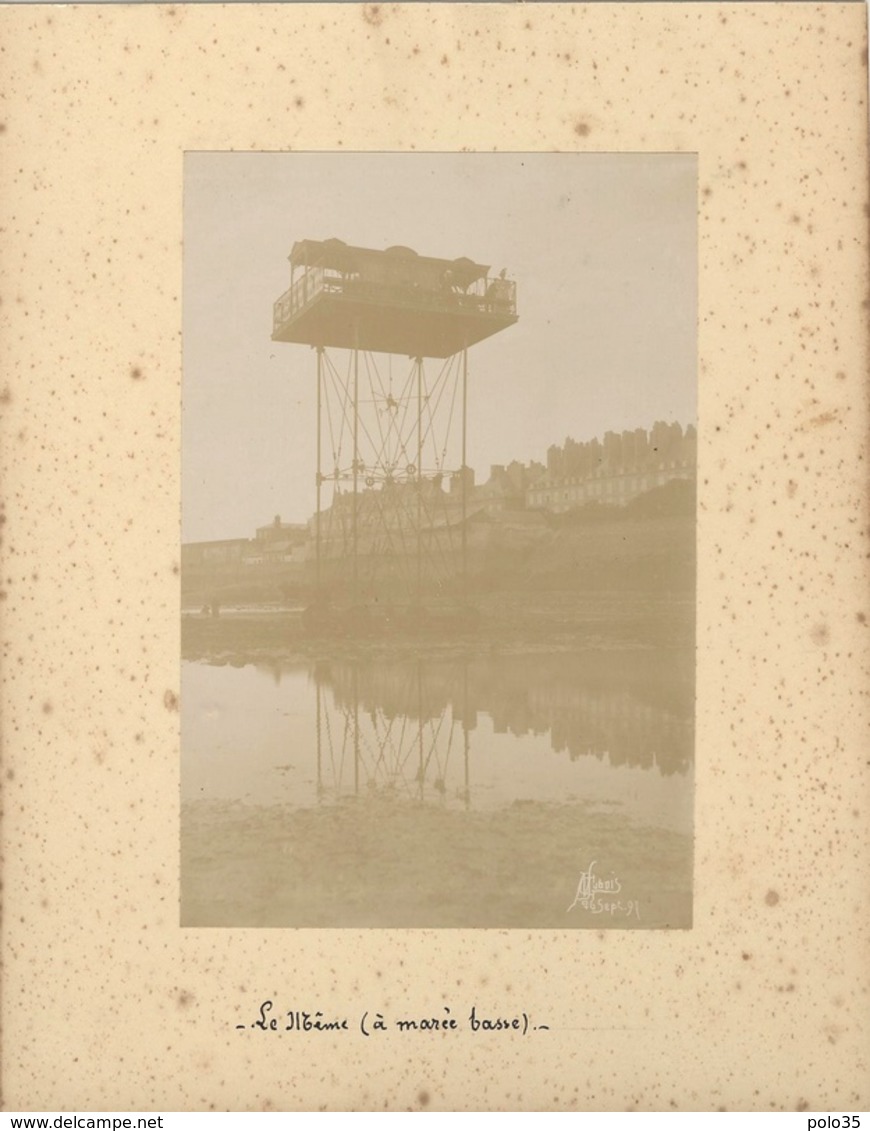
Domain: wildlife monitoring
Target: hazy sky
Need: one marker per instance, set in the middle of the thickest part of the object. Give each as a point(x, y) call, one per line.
point(603, 249)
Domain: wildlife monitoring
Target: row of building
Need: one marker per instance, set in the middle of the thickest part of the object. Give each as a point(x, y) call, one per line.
point(615, 470)
point(612, 471)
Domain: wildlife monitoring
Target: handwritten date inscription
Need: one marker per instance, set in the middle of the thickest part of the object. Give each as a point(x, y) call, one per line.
point(271, 1020)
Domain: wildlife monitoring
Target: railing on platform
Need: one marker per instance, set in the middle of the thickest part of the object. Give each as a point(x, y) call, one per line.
point(485, 296)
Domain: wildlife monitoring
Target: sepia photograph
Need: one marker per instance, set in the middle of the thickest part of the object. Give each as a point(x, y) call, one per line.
point(438, 540)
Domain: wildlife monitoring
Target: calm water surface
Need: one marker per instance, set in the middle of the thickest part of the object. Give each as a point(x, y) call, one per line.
point(469, 734)
point(463, 792)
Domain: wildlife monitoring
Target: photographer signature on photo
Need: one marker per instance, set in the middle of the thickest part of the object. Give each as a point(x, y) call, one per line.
point(599, 895)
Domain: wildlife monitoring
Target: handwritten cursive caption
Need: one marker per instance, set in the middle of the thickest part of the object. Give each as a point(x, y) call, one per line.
point(272, 1020)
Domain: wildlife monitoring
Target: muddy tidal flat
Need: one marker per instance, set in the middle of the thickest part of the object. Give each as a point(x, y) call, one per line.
point(376, 863)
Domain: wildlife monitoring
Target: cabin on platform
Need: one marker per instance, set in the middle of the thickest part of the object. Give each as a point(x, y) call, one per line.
point(393, 301)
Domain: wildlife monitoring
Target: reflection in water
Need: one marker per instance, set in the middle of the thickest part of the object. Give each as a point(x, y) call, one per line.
point(463, 731)
point(348, 772)
point(416, 751)
point(631, 709)
point(407, 726)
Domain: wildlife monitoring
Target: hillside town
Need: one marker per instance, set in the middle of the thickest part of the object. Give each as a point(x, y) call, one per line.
point(609, 472)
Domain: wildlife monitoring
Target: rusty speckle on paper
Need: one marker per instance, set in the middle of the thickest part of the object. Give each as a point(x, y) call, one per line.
point(101, 105)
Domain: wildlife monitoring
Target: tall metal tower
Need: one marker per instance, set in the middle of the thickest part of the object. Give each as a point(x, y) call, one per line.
point(393, 483)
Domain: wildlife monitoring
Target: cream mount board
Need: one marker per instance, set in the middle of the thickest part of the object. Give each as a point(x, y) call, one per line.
point(108, 1001)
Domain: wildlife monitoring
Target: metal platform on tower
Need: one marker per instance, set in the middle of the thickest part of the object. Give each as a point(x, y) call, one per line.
point(391, 332)
point(393, 301)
